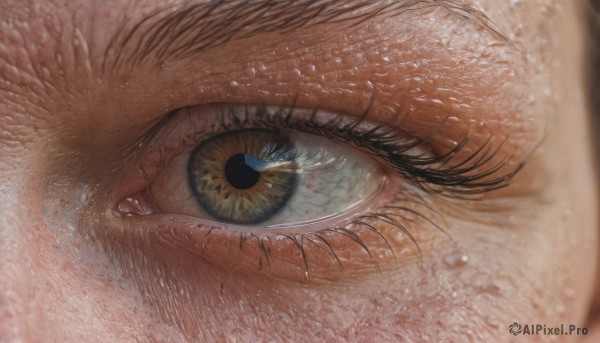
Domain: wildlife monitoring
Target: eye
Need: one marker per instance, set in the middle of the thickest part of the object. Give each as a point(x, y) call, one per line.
point(294, 191)
point(270, 177)
point(251, 170)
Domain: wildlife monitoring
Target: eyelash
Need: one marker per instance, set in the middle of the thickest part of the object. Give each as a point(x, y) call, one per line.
point(430, 173)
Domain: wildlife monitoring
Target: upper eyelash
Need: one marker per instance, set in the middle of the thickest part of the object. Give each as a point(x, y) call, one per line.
point(470, 176)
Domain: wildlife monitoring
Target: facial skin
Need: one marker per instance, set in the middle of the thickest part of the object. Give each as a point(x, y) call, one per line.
point(78, 96)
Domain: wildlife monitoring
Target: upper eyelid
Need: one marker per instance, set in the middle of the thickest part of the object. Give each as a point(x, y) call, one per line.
point(140, 114)
point(477, 171)
point(166, 34)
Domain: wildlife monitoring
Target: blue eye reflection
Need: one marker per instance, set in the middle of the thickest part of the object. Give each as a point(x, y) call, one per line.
point(254, 163)
point(230, 189)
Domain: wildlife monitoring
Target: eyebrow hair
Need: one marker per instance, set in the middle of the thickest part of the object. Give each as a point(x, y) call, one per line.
point(179, 31)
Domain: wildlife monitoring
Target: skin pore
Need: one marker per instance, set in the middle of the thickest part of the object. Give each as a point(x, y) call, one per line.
point(101, 104)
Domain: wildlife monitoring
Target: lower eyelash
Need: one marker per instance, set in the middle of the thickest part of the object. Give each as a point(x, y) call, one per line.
point(398, 218)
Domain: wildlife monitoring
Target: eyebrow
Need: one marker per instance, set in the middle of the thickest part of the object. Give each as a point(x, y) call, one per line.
point(180, 31)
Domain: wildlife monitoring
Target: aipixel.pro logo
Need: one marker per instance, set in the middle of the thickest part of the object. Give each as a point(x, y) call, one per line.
point(514, 328)
point(539, 329)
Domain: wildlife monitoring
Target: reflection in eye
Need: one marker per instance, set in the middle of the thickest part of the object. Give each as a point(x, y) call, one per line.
point(266, 176)
point(228, 183)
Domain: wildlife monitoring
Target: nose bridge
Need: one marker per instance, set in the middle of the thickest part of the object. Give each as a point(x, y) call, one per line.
point(20, 226)
point(28, 270)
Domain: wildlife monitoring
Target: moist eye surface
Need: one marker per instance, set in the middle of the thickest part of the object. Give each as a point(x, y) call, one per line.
point(228, 183)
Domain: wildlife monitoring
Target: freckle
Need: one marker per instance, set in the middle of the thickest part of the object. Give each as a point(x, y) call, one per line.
point(518, 30)
point(545, 9)
point(455, 260)
point(492, 323)
point(374, 28)
point(71, 227)
point(569, 293)
point(560, 309)
point(547, 92)
point(46, 72)
point(372, 56)
point(488, 286)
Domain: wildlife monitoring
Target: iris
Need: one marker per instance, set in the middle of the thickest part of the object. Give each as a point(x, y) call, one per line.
point(230, 180)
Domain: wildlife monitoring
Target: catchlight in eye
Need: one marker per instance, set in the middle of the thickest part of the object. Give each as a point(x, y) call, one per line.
point(227, 175)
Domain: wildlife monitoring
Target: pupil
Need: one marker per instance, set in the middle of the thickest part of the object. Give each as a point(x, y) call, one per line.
point(239, 174)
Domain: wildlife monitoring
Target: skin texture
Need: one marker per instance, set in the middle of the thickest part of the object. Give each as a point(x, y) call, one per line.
point(74, 268)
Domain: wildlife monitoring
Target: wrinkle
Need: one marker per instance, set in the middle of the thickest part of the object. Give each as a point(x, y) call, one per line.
point(46, 57)
point(181, 31)
point(18, 74)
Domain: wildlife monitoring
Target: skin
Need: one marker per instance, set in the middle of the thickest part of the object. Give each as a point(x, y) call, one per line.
point(74, 268)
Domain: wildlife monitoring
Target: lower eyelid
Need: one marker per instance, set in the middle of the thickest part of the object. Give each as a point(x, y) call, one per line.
point(331, 250)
